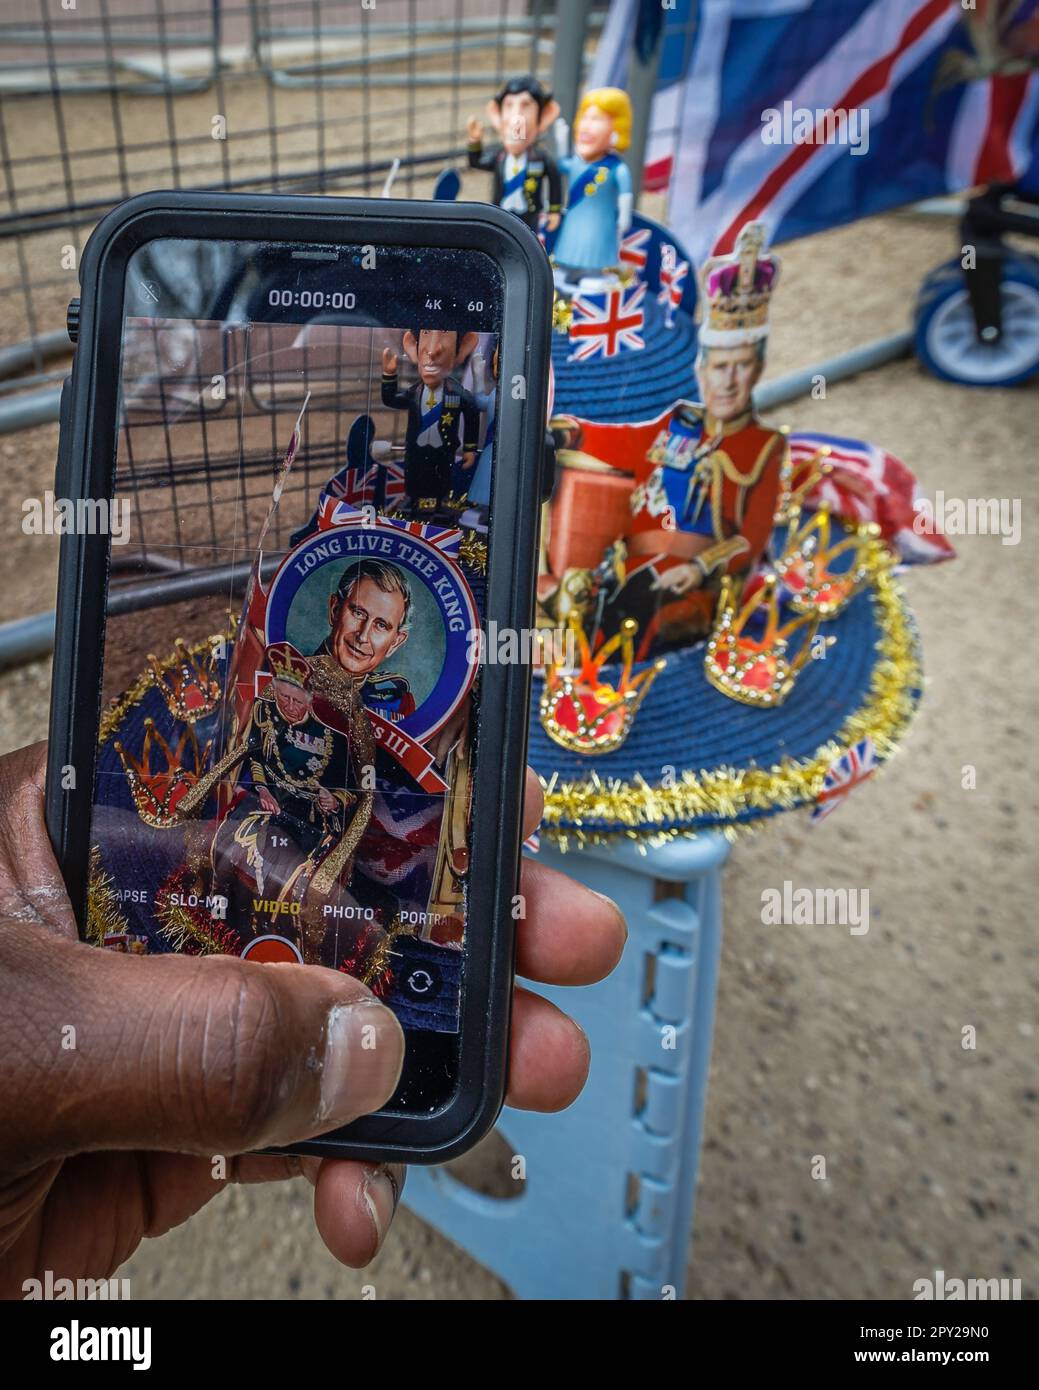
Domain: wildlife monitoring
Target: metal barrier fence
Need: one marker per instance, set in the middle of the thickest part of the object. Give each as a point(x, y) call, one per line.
point(113, 97)
point(101, 99)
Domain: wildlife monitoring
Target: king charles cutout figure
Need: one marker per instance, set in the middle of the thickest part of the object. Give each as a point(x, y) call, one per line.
point(708, 476)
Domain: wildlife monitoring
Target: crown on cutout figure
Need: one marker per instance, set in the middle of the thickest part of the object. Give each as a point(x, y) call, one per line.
point(287, 664)
point(756, 670)
point(811, 584)
point(735, 291)
point(188, 683)
point(582, 711)
point(156, 790)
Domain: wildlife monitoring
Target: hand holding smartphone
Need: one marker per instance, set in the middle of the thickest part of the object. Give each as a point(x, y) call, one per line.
point(316, 427)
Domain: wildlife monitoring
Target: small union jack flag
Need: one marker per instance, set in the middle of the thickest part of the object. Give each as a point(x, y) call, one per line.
point(673, 274)
point(844, 776)
point(357, 486)
point(334, 513)
point(635, 248)
point(607, 323)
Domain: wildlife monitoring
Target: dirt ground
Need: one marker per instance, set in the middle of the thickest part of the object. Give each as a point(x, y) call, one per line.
point(826, 1043)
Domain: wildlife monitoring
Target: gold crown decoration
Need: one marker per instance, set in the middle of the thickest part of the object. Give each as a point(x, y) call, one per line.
point(735, 291)
point(756, 671)
point(583, 712)
point(809, 472)
point(287, 664)
point(157, 790)
point(811, 584)
point(187, 681)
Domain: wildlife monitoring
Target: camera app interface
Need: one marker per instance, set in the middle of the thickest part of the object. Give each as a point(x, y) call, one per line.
point(300, 528)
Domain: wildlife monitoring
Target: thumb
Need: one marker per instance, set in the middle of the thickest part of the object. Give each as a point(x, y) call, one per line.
point(210, 1055)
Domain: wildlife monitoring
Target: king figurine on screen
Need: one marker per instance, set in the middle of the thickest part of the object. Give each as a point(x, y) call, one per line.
point(526, 180)
point(442, 416)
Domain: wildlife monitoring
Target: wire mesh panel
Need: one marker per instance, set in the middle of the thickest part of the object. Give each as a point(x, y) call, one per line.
point(116, 97)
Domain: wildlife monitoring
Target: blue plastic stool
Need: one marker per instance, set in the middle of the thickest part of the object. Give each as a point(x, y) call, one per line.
point(607, 1209)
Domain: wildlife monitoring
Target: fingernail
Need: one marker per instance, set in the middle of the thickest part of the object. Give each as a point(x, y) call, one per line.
point(613, 908)
point(380, 1193)
point(364, 1052)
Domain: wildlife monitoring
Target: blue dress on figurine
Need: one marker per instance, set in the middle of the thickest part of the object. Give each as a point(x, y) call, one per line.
point(587, 239)
point(480, 488)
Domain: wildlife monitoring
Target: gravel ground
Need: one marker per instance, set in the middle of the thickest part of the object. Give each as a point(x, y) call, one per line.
point(827, 1043)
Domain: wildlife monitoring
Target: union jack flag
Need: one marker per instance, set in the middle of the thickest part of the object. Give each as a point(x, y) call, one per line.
point(445, 538)
point(399, 848)
point(949, 91)
point(844, 776)
point(867, 484)
point(673, 274)
point(607, 324)
point(355, 485)
point(635, 248)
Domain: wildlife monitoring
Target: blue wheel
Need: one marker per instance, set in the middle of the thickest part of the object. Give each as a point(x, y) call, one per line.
point(947, 341)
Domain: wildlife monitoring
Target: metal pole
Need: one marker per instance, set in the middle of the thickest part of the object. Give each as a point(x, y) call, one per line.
point(31, 408)
point(642, 83)
point(568, 61)
point(795, 384)
point(30, 351)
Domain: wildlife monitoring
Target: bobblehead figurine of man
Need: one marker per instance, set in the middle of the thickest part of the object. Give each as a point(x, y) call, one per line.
point(526, 177)
point(599, 197)
point(708, 476)
point(442, 416)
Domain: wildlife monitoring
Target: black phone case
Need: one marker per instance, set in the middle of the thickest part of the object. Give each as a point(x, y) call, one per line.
point(86, 464)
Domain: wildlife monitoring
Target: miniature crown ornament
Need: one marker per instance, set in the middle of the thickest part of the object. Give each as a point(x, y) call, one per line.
point(157, 790)
point(188, 683)
point(810, 583)
point(736, 290)
point(582, 711)
point(287, 664)
point(756, 671)
point(793, 493)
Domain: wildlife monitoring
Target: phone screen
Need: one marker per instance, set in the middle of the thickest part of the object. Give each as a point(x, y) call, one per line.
point(300, 526)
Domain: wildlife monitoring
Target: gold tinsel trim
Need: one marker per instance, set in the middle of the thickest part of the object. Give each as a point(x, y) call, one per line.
point(473, 552)
point(562, 314)
point(104, 915)
point(179, 926)
point(379, 960)
point(750, 793)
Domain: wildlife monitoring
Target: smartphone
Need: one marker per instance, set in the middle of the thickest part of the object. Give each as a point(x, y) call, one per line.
point(302, 460)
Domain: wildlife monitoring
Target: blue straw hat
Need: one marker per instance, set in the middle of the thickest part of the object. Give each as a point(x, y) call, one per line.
point(635, 385)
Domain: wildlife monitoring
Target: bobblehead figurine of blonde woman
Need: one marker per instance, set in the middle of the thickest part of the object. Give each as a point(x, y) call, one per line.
point(598, 210)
